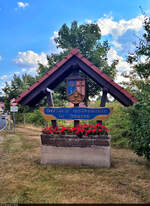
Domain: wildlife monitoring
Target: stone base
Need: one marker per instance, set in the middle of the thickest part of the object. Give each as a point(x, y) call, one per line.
point(72, 150)
point(98, 156)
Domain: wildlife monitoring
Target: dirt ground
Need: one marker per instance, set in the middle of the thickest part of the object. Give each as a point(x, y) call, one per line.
point(24, 180)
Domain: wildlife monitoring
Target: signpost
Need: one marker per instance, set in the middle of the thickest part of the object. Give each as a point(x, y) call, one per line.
point(13, 109)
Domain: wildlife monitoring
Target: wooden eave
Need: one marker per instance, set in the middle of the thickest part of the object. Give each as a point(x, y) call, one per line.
point(52, 78)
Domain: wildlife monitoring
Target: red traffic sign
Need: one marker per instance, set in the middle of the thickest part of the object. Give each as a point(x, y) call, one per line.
point(13, 102)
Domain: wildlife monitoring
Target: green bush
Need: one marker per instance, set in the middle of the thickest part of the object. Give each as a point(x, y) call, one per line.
point(118, 123)
point(35, 118)
point(140, 118)
point(18, 117)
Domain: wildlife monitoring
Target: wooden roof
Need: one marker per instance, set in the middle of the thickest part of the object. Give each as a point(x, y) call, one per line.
point(57, 74)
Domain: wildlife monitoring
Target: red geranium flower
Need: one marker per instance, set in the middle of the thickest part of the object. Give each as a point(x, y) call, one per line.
point(80, 130)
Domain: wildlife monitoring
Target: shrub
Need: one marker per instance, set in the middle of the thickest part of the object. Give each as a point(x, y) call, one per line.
point(119, 124)
point(35, 118)
point(140, 118)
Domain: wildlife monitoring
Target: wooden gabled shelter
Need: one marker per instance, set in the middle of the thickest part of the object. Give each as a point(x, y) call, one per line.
point(64, 68)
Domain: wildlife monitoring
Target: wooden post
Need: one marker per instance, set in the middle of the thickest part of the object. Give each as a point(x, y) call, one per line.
point(50, 103)
point(103, 101)
point(104, 97)
point(76, 73)
point(14, 126)
point(76, 122)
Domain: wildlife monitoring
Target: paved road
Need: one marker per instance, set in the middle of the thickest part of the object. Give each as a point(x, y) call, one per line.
point(1, 139)
point(2, 123)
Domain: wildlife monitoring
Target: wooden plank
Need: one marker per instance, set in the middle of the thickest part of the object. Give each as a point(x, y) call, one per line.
point(103, 101)
point(76, 122)
point(51, 104)
point(104, 97)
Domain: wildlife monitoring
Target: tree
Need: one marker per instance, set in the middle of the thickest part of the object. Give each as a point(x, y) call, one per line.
point(140, 84)
point(16, 87)
point(83, 37)
point(86, 38)
point(1, 97)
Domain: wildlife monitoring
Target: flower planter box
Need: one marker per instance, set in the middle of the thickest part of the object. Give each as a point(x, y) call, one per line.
point(72, 150)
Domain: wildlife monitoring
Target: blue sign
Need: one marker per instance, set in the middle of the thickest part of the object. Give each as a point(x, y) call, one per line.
point(76, 113)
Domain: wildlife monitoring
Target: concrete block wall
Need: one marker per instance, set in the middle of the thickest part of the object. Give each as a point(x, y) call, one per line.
point(99, 156)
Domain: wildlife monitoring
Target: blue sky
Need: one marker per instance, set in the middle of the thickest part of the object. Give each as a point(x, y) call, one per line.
point(27, 29)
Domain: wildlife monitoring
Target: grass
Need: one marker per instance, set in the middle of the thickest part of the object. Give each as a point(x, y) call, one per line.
point(24, 180)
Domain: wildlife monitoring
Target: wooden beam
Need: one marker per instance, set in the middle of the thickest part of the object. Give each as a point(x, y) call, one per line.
point(76, 122)
point(51, 82)
point(104, 97)
point(103, 101)
point(117, 94)
point(50, 103)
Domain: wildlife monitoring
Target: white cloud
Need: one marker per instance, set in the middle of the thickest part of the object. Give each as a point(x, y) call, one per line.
point(2, 85)
point(17, 73)
point(29, 60)
point(89, 21)
point(24, 70)
point(55, 35)
point(53, 45)
point(120, 79)
point(33, 70)
point(117, 44)
point(112, 55)
point(0, 58)
point(3, 77)
point(22, 4)
point(122, 66)
point(116, 29)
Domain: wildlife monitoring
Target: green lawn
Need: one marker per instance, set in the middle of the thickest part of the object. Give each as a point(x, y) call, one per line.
point(24, 180)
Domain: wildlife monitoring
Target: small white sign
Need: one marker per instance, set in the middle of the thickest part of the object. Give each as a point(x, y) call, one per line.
point(14, 109)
